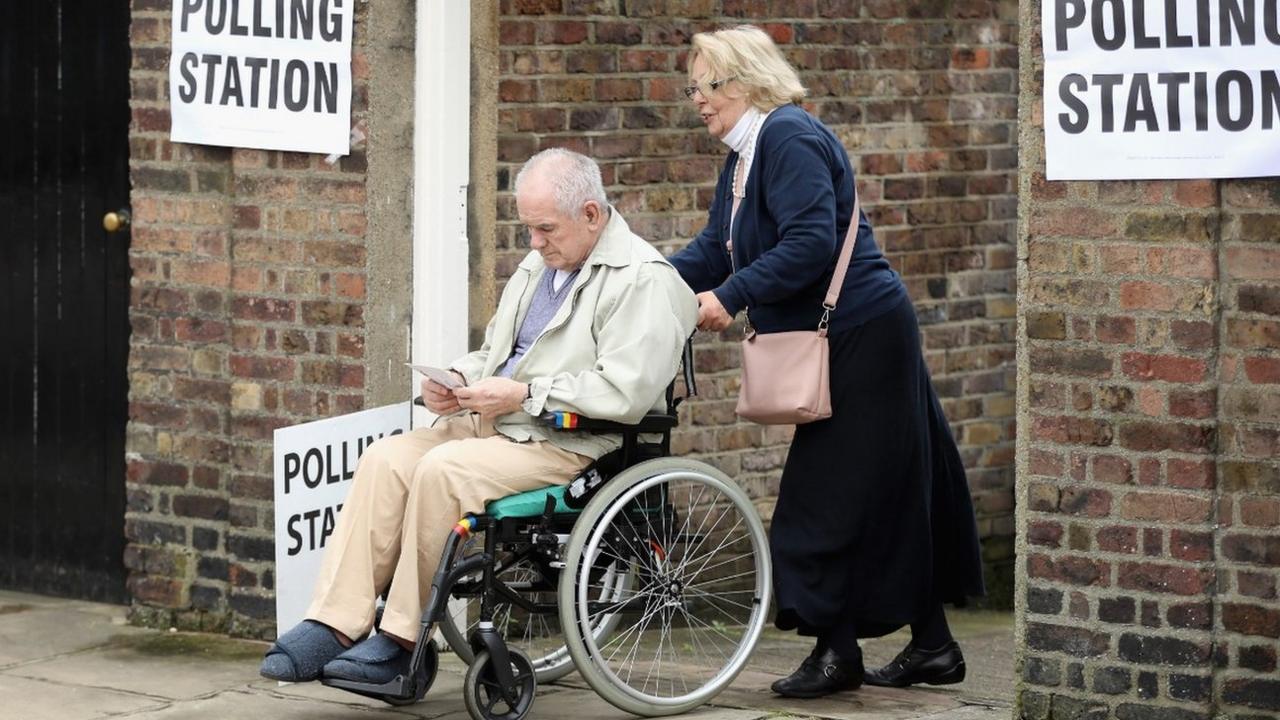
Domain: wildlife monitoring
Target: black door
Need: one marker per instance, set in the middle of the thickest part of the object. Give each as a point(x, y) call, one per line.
point(64, 328)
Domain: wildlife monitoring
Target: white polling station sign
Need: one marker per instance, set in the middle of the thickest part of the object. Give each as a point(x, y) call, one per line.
point(314, 465)
point(266, 74)
point(1150, 89)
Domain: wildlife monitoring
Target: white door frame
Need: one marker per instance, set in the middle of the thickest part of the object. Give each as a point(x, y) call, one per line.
point(441, 173)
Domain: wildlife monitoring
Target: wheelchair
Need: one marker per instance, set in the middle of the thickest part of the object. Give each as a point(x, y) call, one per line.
point(647, 574)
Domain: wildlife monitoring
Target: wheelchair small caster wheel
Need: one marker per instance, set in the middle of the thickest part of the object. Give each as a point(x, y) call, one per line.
point(482, 694)
point(424, 678)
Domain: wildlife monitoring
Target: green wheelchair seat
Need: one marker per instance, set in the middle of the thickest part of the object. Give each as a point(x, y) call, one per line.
point(528, 504)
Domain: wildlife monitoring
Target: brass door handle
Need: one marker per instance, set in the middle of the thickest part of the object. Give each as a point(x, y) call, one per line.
point(116, 221)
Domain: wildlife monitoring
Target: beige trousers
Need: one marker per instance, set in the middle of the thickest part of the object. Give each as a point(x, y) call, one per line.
point(408, 492)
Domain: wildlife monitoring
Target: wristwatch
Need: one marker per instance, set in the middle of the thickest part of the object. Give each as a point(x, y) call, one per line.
point(528, 393)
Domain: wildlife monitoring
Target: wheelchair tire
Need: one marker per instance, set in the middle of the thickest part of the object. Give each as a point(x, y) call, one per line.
point(482, 696)
point(701, 550)
point(539, 639)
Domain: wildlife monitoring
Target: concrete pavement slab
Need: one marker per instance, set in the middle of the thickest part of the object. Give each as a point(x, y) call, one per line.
point(190, 669)
point(78, 661)
point(26, 699)
point(32, 629)
point(247, 704)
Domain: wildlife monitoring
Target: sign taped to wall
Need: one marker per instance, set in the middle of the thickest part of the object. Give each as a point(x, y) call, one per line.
point(265, 74)
point(1148, 89)
point(314, 464)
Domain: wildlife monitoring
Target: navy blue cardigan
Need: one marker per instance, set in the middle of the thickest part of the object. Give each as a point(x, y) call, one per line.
point(797, 205)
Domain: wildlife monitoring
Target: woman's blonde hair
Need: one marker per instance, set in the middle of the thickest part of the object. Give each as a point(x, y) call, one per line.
point(747, 54)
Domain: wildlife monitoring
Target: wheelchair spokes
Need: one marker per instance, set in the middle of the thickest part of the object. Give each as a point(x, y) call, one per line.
point(686, 626)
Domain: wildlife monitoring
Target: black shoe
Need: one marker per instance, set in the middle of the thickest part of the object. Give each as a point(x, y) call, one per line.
point(943, 666)
point(822, 673)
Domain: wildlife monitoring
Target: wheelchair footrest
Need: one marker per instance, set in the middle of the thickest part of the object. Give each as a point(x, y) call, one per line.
point(402, 688)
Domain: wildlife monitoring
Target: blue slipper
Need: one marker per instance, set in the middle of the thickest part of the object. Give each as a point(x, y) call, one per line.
point(299, 655)
point(377, 660)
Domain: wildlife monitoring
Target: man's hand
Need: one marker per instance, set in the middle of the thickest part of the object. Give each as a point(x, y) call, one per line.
point(492, 396)
point(438, 398)
point(711, 314)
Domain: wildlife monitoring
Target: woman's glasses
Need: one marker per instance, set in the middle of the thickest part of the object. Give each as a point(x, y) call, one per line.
point(712, 86)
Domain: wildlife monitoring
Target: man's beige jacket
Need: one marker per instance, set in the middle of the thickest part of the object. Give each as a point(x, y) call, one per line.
point(608, 353)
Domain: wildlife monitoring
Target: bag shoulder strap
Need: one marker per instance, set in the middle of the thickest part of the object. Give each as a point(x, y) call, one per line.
point(846, 253)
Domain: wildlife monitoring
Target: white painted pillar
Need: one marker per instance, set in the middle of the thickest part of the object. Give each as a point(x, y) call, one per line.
point(441, 142)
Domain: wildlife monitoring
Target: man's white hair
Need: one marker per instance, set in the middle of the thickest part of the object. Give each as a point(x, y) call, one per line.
point(574, 179)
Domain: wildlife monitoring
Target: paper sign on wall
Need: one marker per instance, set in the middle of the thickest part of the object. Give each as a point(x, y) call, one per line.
point(314, 466)
point(1139, 89)
point(267, 74)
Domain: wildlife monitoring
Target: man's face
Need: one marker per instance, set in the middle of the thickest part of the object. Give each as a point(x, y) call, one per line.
point(564, 241)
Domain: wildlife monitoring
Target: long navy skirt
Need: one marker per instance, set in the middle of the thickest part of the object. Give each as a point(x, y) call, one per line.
point(874, 525)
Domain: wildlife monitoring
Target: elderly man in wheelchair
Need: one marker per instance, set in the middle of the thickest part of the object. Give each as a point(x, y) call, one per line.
point(542, 502)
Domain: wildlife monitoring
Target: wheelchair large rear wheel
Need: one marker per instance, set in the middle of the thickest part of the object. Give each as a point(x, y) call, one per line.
point(537, 635)
point(688, 624)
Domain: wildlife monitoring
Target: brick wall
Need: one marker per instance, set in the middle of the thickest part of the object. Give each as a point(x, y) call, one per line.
point(250, 276)
point(923, 96)
point(254, 272)
point(1148, 456)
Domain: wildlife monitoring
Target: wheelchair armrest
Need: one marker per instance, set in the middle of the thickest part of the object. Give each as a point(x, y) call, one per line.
point(560, 420)
point(651, 423)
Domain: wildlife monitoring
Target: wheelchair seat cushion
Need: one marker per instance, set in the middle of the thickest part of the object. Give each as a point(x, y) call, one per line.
point(528, 504)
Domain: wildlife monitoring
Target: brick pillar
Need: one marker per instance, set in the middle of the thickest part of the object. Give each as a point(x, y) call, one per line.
point(1148, 411)
point(251, 275)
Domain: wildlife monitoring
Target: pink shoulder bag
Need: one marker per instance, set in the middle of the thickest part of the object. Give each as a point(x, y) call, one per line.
point(786, 375)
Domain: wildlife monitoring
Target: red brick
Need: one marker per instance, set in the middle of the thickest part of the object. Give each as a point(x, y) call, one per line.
point(262, 309)
point(1201, 404)
point(1254, 620)
point(1262, 370)
point(1116, 329)
point(1156, 578)
point(1192, 334)
point(970, 59)
point(1253, 263)
point(1190, 545)
point(1155, 436)
point(1045, 533)
point(157, 414)
point(1142, 366)
point(1112, 469)
point(1193, 474)
point(1088, 502)
point(1065, 361)
point(1260, 512)
point(1165, 507)
point(1259, 585)
point(210, 391)
point(1263, 299)
point(568, 32)
point(262, 368)
point(157, 473)
point(192, 329)
point(1251, 334)
point(1069, 570)
point(1072, 430)
point(1118, 539)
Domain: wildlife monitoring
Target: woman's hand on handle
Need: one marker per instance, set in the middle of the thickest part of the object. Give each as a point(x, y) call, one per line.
point(712, 316)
